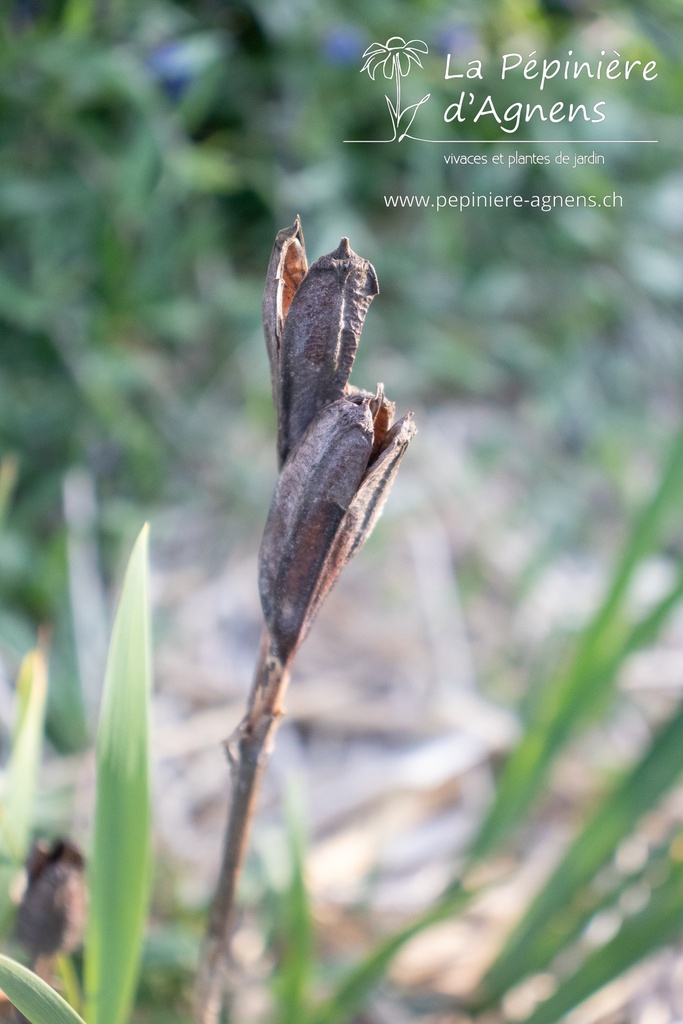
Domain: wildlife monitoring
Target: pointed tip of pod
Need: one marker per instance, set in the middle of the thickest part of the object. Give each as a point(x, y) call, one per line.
point(286, 235)
point(344, 251)
point(405, 427)
point(395, 438)
point(344, 259)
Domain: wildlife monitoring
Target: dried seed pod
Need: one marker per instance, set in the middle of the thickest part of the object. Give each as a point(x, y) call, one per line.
point(320, 338)
point(338, 451)
point(286, 270)
point(316, 486)
point(51, 915)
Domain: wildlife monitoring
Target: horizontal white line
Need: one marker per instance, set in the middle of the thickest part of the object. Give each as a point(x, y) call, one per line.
point(519, 142)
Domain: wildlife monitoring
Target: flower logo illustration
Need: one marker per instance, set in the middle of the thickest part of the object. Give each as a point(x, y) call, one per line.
point(395, 58)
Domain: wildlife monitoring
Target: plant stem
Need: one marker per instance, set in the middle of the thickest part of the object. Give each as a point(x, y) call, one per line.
point(397, 69)
point(248, 754)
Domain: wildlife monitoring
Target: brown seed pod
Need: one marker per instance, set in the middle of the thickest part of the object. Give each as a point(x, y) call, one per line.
point(316, 486)
point(51, 915)
point(320, 338)
point(338, 451)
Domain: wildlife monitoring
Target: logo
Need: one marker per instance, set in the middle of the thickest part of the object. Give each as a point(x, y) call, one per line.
point(497, 111)
point(395, 58)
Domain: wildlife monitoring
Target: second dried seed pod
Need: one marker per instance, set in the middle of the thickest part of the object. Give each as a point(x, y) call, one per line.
point(51, 915)
point(314, 490)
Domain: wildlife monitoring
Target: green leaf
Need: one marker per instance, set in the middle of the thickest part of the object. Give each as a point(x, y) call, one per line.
point(78, 17)
point(659, 923)
point(8, 478)
point(33, 997)
point(120, 865)
point(69, 982)
point(352, 991)
point(560, 909)
point(202, 170)
point(22, 769)
point(295, 928)
point(588, 680)
point(21, 774)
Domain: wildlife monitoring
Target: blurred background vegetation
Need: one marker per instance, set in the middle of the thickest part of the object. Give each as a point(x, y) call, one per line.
point(151, 150)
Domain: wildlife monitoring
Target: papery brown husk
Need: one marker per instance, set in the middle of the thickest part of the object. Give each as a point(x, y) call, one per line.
point(316, 486)
point(286, 269)
point(320, 338)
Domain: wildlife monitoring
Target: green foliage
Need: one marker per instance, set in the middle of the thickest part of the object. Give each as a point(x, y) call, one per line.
point(565, 903)
point(587, 681)
point(355, 987)
point(639, 936)
point(8, 476)
point(119, 873)
point(21, 772)
point(295, 926)
point(34, 997)
point(109, 217)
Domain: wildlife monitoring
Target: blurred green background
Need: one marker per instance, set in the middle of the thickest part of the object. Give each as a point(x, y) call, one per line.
point(151, 150)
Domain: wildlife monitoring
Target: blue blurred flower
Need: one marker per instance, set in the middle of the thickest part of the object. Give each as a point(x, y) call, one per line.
point(458, 40)
point(170, 66)
point(342, 45)
point(178, 62)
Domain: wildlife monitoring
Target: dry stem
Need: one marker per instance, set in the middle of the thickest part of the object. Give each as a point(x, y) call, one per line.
point(248, 755)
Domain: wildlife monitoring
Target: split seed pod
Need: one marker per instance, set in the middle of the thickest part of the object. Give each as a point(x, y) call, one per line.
point(314, 490)
point(312, 319)
point(51, 915)
point(337, 449)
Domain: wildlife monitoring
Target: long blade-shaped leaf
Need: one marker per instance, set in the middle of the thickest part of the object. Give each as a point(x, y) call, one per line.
point(8, 478)
point(559, 910)
point(22, 768)
point(296, 925)
point(33, 997)
point(119, 874)
point(354, 988)
point(659, 923)
point(16, 808)
point(589, 676)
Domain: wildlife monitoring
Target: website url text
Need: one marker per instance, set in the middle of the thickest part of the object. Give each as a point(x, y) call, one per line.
point(490, 200)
